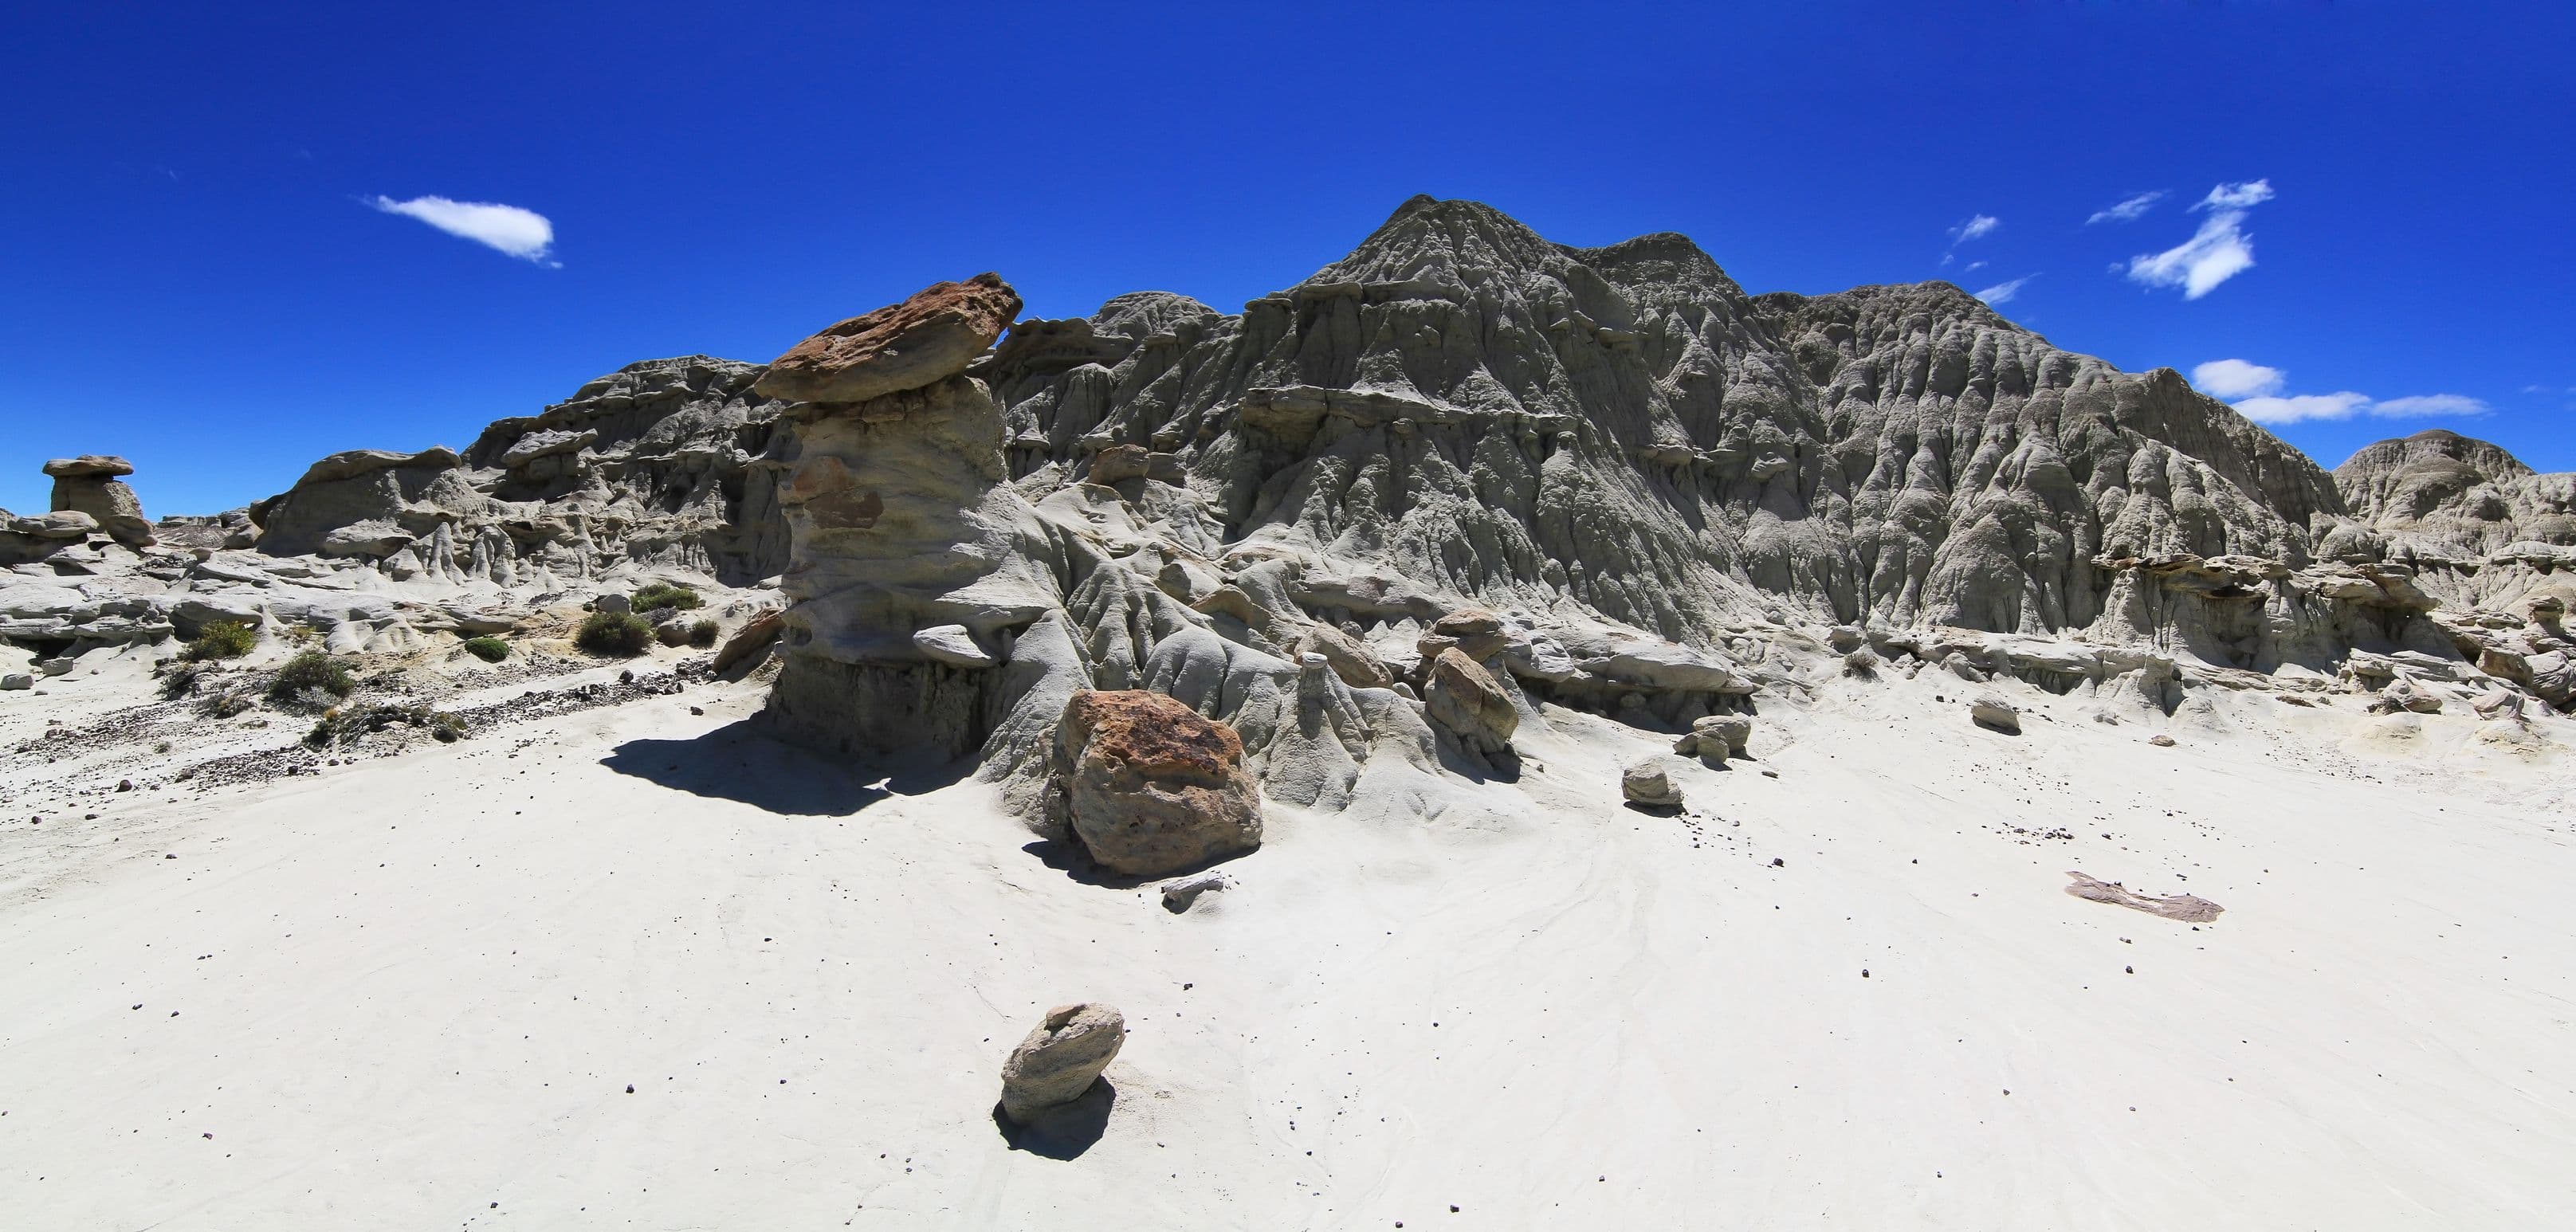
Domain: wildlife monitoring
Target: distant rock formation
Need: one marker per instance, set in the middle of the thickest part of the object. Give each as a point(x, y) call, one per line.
point(1378, 523)
point(89, 484)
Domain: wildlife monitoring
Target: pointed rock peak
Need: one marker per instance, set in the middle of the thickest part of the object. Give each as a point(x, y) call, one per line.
point(1662, 256)
point(1450, 242)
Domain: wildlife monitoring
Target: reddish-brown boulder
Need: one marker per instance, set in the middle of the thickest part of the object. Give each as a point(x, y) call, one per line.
point(1150, 786)
point(921, 341)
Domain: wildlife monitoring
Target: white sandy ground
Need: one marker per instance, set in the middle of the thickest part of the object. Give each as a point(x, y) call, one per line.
point(412, 993)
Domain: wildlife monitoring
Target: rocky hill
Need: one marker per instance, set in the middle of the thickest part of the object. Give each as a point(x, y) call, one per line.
point(1626, 484)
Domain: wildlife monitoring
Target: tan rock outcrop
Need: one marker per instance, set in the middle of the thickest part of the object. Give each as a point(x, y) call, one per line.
point(1057, 1063)
point(1466, 701)
point(1149, 786)
point(919, 342)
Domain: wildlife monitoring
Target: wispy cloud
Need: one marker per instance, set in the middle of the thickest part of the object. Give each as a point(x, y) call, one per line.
point(2298, 408)
point(1977, 227)
point(2220, 250)
point(2235, 378)
point(2003, 292)
point(2236, 196)
point(2126, 210)
point(2255, 391)
point(524, 234)
point(1972, 267)
point(2428, 404)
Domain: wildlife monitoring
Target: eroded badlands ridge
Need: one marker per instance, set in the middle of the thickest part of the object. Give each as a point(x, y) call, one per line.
point(1372, 520)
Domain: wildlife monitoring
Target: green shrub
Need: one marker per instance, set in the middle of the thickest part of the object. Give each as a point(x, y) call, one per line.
point(623, 634)
point(703, 633)
point(657, 596)
point(311, 670)
point(488, 649)
point(220, 639)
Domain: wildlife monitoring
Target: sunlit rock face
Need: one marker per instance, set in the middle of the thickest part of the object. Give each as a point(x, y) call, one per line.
point(912, 565)
point(1623, 430)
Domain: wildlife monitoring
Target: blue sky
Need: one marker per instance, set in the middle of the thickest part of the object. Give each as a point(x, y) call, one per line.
point(198, 269)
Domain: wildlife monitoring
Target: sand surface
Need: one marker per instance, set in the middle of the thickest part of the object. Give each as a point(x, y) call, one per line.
point(414, 992)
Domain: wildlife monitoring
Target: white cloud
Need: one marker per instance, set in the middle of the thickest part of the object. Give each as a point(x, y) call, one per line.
point(2235, 378)
point(2535, 389)
point(2428, 404)
point(2127, 210)
point(2237, 196)
point(2002, 292)
point(1972, 267)
point(2302, 407)
point(2220, 250)
point(524, 234)
point(1976, 227)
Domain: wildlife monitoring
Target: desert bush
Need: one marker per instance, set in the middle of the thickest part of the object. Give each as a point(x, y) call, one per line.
point(623, 634)
point(181, 680)
point(488, 649)
point(308, 673)
point(703, 633)
point(345, 725)
point(220, 639)
point(657, 596)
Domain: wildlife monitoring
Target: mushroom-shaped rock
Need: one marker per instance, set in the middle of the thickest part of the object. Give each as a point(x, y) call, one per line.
point(1464, 699)
point(89, 466)
point(923, 340)
point(1991, 711)
point(1650, 783)
point(1060, 1060)
point(1150, 786)
point(88, 484)
point(1473, 630)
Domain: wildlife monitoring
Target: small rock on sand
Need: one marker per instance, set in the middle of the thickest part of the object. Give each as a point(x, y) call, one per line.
point(1061, 1058)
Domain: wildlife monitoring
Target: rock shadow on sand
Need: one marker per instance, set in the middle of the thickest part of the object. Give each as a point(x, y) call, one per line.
point(742, 762)
point(1064, 1131)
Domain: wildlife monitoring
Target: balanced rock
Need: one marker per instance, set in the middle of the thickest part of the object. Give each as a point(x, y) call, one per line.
point(89, 466)
point(1465, 700)
point(1474, 631)
point(1057, 1063)
point(902, 346)
point(1716, 736)
point(1148, 785)
point(88, 484)
point(1650, 784)
point(1994, 712)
